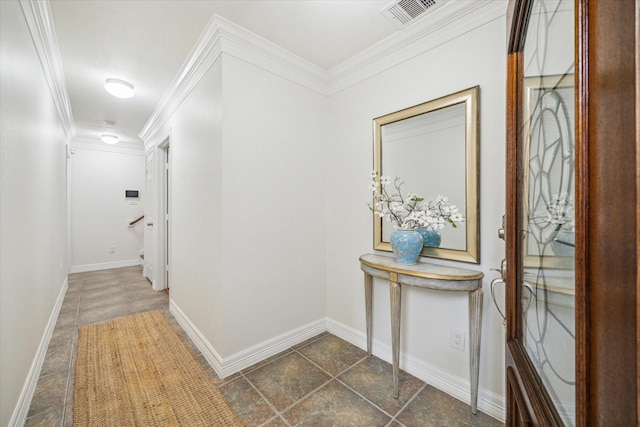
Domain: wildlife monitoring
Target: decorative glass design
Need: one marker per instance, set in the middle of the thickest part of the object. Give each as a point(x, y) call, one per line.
point(548, 296)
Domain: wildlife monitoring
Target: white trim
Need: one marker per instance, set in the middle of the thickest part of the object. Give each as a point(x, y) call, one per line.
point(222, 36)
point(207, 350)
point(247, 46)
point(203, 54)
point(443, 25)
point(271, 347)
point(21, 409)
point(488, 402)
point(97, 145)
point(40, 22)
point(159, 215)
point(105, 265)
point(252, 355)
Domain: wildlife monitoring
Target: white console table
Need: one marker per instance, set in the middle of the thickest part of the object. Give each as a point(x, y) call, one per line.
point(428, 276)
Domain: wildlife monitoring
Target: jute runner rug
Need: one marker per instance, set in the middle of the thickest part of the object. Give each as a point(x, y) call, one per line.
point(136, 371)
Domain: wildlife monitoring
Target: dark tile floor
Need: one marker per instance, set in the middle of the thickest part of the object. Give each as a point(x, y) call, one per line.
point(324, 381)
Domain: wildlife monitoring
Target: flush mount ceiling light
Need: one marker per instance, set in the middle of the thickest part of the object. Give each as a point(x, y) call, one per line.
point(110, 139)
point(119, 88)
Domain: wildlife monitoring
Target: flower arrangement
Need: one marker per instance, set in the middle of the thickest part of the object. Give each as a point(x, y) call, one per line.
point(410, 211)
point(560, 214)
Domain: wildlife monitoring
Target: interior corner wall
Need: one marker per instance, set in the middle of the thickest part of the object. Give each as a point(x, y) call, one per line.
point(274, 151)
point(195, 251)
point(33, 211)
point(247, 211)
point(100, 212)
point(476, 58)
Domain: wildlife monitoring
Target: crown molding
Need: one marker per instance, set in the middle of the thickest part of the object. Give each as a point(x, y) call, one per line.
point(443, 25)
point(222, 36)
point(204, 53)
point(249, 47)
point(40, 22)
point(85, 143)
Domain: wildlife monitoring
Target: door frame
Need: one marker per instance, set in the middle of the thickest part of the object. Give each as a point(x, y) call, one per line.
point(163, 237)
point(158, 246)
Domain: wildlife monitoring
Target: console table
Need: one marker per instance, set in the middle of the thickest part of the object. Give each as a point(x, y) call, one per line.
point(428, 276)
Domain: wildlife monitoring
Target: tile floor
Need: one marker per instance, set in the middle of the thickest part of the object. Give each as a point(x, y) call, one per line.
point(323, 381)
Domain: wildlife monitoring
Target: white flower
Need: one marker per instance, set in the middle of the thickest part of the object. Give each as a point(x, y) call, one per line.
point(439, 223)
point(396, 206)
point(414, 216)
point(457, 217)
point(411, 211)
point(450, 209)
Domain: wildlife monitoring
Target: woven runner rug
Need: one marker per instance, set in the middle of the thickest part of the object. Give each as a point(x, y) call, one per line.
point(136, 371)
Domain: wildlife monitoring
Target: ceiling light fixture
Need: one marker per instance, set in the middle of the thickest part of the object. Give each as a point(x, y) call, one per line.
point(110, 139)
point(119, 88)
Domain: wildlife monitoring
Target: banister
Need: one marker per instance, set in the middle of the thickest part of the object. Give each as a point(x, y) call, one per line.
point(136, 221)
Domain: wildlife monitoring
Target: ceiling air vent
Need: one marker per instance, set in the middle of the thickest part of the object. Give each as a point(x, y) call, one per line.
point(404, 12)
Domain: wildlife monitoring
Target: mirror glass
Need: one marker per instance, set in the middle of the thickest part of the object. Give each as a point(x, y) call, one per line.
point(432, 147)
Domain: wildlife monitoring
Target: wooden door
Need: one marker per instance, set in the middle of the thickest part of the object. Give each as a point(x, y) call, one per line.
point(572, 213)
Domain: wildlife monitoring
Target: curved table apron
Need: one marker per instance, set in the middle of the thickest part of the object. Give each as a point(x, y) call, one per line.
point(428, 276)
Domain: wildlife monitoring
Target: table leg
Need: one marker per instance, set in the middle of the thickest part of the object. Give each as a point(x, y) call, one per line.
point(395, 296)
point(475, 328)
point(368, 302)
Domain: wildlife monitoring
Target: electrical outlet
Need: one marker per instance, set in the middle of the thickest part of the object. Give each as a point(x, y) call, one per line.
point(457, 339)
point(112, 249)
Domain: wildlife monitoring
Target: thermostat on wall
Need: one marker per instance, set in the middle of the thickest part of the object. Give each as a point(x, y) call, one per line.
point(131, 193)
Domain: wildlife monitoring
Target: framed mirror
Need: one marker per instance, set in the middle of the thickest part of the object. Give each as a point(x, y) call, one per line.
point(433, 147)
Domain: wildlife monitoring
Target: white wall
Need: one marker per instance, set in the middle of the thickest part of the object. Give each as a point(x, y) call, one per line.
point(248, 238)
point(196, 267)
point(476, 58)
point(274, 166)
point(33, 223)
point(100, 213)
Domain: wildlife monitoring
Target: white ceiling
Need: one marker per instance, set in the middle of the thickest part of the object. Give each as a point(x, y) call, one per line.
point(146, 41)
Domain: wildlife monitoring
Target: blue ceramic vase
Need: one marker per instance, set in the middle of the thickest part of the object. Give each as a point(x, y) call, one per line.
point(563, 244)
point(406, 246)
point(430, 238)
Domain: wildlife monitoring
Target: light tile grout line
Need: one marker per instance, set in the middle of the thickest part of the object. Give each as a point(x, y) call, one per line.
point(392, 417)
point(415, 395)
point(267, 401)
point(71, 364)
point(243, 375)
point(331, 378)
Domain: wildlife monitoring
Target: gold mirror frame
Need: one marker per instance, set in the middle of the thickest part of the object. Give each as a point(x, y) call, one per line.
point(468, 97)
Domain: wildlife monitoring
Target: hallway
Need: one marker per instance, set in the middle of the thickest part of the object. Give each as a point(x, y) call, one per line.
point(323, 381)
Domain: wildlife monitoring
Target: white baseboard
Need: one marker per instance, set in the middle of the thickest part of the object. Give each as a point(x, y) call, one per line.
point(21, 410)
point(460, 388)
point(207, 350)
point(104, 265)
point(488, 402)
point(252, 355)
